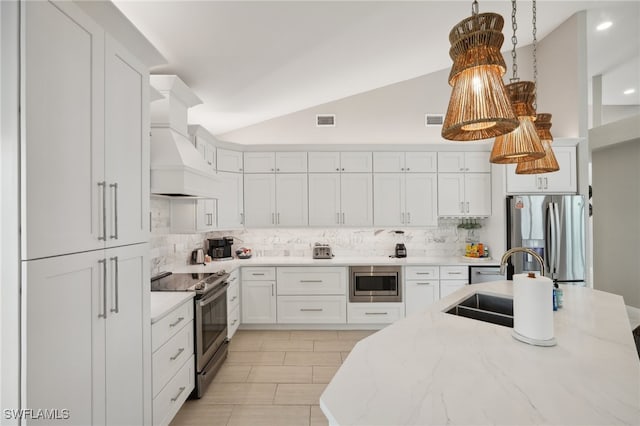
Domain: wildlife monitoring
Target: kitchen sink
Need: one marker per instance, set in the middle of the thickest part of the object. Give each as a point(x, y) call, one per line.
point(485, 307)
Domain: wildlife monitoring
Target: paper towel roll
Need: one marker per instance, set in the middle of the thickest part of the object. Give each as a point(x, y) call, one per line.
point(533, 308)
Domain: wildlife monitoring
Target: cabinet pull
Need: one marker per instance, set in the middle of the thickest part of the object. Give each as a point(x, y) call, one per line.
point(467, 207)
point(114, 186)
point(546, 183)
point(376, 313)
point(234, 322)
point(338, 218)
point(310, 281)
point(273, 218)
point(408, 216)
point(343, 216)
point(241, 218)
point(408, 169)
point(233, 279)
point(173, 358)
point(461, 206)
point(104, 211)
point(337, 169)
point(178, 321)
point(234, 298)
point(256, 274)
point(454, 273)
point(175, 398)
point(419, 283)
point(104, 288)
point(116, 285)
point(423, 273)
point(402, 218)
point(310, 309)
point(272, 292)
point(278, 219)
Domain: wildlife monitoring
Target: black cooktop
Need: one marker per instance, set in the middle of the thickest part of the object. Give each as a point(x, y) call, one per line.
point(200, 283)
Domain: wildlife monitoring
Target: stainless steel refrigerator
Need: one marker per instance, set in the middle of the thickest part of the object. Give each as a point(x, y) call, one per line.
point(553, 226)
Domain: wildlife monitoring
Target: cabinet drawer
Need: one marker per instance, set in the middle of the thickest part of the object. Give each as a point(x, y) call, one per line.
point(233, 321)
point(168, 359)
point(256, 273)
point(168, 326)
point(374, 313)
point(233, 296)
point(421, 273)
point(312, 280)
point(454, 273)
point(312, 310)
point(171, 398)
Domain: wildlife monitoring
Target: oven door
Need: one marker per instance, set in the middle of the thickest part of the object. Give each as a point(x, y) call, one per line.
point(375, 286)
point(211, 325)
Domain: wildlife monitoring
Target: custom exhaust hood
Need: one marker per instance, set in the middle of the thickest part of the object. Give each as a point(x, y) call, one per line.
point(177, 168)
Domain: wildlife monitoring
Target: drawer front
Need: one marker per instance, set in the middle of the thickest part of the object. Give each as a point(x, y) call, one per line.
point(168, 359)
point(312, 310)
point(421, 273)
point(454, 273)
point(171, 398)
point(233, 321)
point(234, 276)
point(312, 281)
point(168, 326)
point(374, 313)
point(233, 296)
point(451, 286)
point(256, 273)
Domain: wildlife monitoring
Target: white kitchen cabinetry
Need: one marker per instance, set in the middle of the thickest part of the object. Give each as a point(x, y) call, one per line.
point(85, 136)
point(259, 162)
point(189, 215)
point(204, 143)
point(87, 335)
point(455, 162)
point(422, 288)
point(563, 181)
point(291, 162)
point(258, 288)
point(405, 199)
point(340, 199)
point(312, 280)
point(275, 162)
point(347, 162)
point(231, 202)
point(173, 361)
point(233, 303)
point(464, 194)
point(410, 162)
point(229, 160)
point(260, 200)
point(276, 200)
point(374, 313)
point(452, 278)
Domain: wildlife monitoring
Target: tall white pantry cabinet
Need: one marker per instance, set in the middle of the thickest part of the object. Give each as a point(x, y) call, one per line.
point(84, 195)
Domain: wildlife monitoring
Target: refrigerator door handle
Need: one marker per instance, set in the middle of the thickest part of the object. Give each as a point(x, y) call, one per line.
point(552, 254)
point(558, 242)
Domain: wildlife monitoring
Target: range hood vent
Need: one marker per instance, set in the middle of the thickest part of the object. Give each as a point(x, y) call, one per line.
point(433, 120)
point(326, 120)
point(177, 168)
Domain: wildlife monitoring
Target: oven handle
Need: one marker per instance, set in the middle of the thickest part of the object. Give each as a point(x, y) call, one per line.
point(217, 294)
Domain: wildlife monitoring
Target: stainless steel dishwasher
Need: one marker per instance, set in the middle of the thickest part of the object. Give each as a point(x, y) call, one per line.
point(485, 273)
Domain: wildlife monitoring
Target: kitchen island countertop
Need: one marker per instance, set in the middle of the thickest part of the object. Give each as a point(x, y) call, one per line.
point(437, 368)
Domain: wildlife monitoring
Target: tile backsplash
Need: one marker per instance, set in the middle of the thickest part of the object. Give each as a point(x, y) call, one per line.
point(168, 249)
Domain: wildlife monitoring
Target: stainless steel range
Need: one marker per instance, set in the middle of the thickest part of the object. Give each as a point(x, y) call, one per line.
point(210, 308)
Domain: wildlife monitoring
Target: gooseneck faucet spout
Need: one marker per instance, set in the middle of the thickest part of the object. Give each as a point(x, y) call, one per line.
point(510, 252)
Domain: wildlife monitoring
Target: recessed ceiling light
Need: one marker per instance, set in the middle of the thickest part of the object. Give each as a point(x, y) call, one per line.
point(604, 25)
point(629, 91)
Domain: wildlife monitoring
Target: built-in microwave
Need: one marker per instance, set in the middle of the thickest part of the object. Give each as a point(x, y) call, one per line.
point(375, 284)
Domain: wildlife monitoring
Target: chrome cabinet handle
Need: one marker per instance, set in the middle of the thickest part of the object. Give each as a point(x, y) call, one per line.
point(310, 309)
point(272, 290)
point(546, 183)
point(376, 313)
point(408, 217)
point(419, 283)
point(273, 218)
point(241, 218)
point(104, 211)
point(402, 169)
point(310, 281)
point(114, 186)
point(234, 322)
point(116, 285)
point(104, 288)
point(338, 218)
point(173, 358)
point(461, 206)
point(408, 169)
point(402, 218)
point(423, 273)
point(234, 298)
point(337, 169)
point(278, 219)
point(256, 274)
point(454, 273)
point(178, 321)
point(175, 398)
point(343, 218)
point(467, 207)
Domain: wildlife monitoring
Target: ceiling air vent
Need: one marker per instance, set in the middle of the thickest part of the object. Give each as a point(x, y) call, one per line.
point(326, 120)
point(431, 120)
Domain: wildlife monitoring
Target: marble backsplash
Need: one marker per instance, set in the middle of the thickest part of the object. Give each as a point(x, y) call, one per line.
point(168, 249)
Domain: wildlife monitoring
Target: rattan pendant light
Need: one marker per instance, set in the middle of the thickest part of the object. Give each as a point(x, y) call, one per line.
point(479, 107)
point(523, 144)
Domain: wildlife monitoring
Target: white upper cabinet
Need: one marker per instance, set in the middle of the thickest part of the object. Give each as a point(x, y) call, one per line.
point(229, 160)
point(562, 181)
point(457, 162)
point(356, 199)
point(421, 199)
point(192, 215)
point(405, 199)
point(231, 201)
point(388, 162)
point(259, 162)
point(260, 200)
point(347, 162)
point(291, 162)
point(275, 200)
point(324, 199)
point(421, 162)
point(464, 194)
point(292, 200)
point(324, 162)
point(410, 162)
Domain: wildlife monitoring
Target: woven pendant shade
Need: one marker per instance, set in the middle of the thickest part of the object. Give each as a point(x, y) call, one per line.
point(548, 163)
point(523, 144)
point(479, 107)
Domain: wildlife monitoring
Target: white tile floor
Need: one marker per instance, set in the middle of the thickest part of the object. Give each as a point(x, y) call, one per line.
point(272, 378)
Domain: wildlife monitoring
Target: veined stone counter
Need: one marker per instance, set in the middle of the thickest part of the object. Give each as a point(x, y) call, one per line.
point(435, 368)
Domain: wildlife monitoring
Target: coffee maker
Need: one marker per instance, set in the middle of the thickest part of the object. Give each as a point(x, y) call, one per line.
point(220, 248)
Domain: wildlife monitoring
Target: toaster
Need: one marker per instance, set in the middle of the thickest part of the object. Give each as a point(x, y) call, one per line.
point(322, 251)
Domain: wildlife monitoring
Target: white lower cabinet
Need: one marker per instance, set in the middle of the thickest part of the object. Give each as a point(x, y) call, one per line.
point(422, 288)
point(374, 313)
point(258, 295)
point(174, 394)
point(233, 303)
point(452, 279)
point(312, 309)
point(312, 280)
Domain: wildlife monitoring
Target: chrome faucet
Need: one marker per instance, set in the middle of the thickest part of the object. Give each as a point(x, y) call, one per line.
point(507, 254)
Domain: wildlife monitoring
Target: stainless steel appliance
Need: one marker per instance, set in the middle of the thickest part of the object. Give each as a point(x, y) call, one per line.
point(401, 250)
point(220, 248)
point(554, 227)
point(210, 311)
point(197, 257)
point(485, 273)
point(375, 284)
point(322, 251)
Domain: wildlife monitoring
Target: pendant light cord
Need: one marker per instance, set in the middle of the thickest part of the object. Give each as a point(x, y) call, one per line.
point(514, 41)
point(535, 57)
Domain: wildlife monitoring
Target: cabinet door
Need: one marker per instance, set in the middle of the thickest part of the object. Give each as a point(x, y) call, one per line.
point(128, 344)
point(477, 162)
point(356, 162)
point(520, 184)
point(450, 286)
point(324, 162)
point(451, 162)
point(230, 203)
point(419, 295)
point(126, 146)
point(478, 194)
point(421, 162)
point(450, 194)
point(564, 180)
point(388, 162)
point(229, 161)
point(389, 199)
point(421, 199)
point(291, 162)
point(206, 214)
point(324, 199)
point(62, 131)
point(258, 302)
point(207, 150)
point(260, 200)
point(356, 199)
point(259, 162)
point(64, 336)
point(291, 200)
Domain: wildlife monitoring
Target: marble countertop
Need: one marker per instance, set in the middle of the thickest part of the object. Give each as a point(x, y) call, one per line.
point(435, 368)
point(163, 302)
